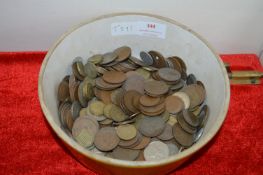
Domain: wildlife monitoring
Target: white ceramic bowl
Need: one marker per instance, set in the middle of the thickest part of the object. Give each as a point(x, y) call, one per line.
point(108, 32)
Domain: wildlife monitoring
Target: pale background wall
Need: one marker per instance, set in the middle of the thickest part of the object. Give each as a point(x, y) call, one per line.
point(231, 26)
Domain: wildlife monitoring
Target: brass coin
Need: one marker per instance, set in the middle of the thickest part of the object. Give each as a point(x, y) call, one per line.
point(90, 70)
point(176, 64)
point(106, 139)
point(108, 58)
point(152, 126)
point(63, 91)
point(97, 108)
point(144, 73)
point(135, 82)
point(167, 133)
point(125, 154)
point(101, 70)
point(76, 71)
point(169, 74)
point(147, 101)
point(87, 89)
point(165, 115)
point(107, 109)
point(123, 53)
point(183, 138)
point(156, 87)
point(106, 122)
point(114, 77)
point(126, 132)
point(141, 156)
point(117, 114)
point(155, 151)
point(174, 104)
point(95, 59)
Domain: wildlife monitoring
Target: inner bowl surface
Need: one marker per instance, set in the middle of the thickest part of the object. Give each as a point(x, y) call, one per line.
point(97, 36)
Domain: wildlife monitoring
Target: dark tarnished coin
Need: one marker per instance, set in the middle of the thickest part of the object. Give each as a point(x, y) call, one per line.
point(158, 59)
point(146, 58)
point(128, 143)
point(125, 154)
point(75, 108)
point(106, 139)
point(63, 91)
point(179, 85)
point(190, 118)
point(183, 138)
point(190, 79)
point(144, 141)
point(152, 126)
point(129, 98)
point(90, 70)
point(184, 125)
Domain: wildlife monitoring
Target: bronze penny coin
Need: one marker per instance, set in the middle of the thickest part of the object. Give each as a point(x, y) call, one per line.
point(141, 156)
point(101, 70)
point(167, 133)
point(128, 99)
point(143, 143)
point(154, 87)
point(196, 94)
point(147, 100)
point(183, 138)
point(179, 85)
point(75, 70)
point(123, 53)
point(63, 91)
point(169, 74)
point(176, 64)
point(101, 84)
point(114, 77)
point(106, 139)
point(174, 104)
point(153, 109)
point(185, 126)
point(108, 58)
point(103, 95)
point(135, 82)
point(125, 154)
point(152, 126)
point(158, 59)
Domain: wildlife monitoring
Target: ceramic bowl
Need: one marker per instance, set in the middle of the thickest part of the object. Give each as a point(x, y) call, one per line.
point(140, 32)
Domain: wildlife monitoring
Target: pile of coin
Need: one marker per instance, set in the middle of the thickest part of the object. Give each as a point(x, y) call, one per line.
point(127, 108)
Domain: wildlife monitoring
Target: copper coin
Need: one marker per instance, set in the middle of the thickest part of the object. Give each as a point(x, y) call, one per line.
point(101, 84)
point(128, 99)
point(174, 104)
point(63, 91)
point(184, 125)
point(108, 58)
point(184, 97)
point(143, 143)
point(141, 156)
point(167, 133)
point(158, 59)
point(125, 154)
point(183, 138)
point(176, 64)
point(123, 53)
point(146, 58)
point(106, 139)
point(114, 77)
point(152, 126)
point(169, 74)
point(154, 87)
point(196, 93)
point(153, 109)
point(135, 82)
point(103, 95)
point(127, 143)
point(76, 71)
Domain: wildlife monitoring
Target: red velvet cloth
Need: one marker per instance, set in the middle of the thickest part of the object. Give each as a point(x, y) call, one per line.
point(28, 146)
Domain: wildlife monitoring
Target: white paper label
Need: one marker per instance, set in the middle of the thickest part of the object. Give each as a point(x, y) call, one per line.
point(141, 28)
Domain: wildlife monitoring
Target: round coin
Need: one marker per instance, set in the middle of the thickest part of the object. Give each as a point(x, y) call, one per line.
point(108, 58)
point(167, 133)
point(184, 97)
point(96, 108)
point(183, 138)
point(90, 70)
point(152, 126)
point(146, 58)
point(147, 100)
point(117, 114)
point(114, 77)
point(156, 88)
point(106, 139)
point(123, 53)
point(169, 74)
point(126, 132)
point(174, 104)
point(125, 154)
point(155, 151)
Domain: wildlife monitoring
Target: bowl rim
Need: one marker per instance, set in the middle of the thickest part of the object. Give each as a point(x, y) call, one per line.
point(133, 164)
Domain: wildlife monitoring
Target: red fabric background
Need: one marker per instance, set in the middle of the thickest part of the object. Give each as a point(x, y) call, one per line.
point(28, 146)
